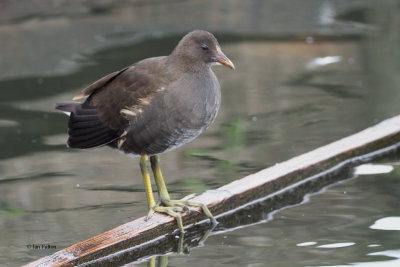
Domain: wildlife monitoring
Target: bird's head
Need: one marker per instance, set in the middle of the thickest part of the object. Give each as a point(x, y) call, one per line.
point(200, 48)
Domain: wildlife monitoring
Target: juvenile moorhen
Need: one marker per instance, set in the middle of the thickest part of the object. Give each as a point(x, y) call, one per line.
point(151, 107)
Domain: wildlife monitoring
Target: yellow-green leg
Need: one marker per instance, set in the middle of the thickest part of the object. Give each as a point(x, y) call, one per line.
point(145, 168)
point(172, 211)
point(171, 207)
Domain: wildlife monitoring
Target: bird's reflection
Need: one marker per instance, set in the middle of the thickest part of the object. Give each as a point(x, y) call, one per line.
point(182, 248)
point(162, 261)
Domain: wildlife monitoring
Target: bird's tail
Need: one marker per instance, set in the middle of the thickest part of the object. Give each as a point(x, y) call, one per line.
point(85, 129)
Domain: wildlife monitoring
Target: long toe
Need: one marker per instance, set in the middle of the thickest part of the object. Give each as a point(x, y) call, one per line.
point(174, 207)
point(172, 211)
point(185, 204)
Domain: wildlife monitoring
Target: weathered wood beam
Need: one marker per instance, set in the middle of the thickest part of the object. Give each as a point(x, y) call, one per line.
point(288, 180)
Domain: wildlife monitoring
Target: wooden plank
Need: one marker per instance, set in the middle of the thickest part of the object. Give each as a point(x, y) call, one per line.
point(299, 173)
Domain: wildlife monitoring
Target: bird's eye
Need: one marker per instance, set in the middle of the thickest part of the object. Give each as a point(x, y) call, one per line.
point(204, 47)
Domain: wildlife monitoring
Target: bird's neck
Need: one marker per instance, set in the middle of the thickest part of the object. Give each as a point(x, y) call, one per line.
point(184, 63)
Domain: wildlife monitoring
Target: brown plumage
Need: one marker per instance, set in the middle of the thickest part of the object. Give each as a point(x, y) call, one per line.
point(154, 105)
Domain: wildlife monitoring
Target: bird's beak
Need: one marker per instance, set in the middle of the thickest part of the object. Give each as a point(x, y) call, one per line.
point(224, 60)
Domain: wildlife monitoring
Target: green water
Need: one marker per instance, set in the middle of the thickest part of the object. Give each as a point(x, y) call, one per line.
point(307, 73)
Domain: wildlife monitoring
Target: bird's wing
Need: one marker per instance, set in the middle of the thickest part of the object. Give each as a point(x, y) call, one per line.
point(98, 84)
point(111, 102)
point(123, 96)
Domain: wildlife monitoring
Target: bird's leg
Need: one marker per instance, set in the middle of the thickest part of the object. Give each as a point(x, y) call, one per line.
point(172, 211)
point(144, 167)
point(176, 205)
point(158, 177)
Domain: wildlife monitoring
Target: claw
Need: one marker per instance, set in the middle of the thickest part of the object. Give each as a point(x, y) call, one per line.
point(188, 203)
point(195, 210)
point(150, 214)
point(187, 209)
point(174, 207)
point(171, 211)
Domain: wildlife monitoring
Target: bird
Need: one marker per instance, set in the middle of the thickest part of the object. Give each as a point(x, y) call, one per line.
point(151, 107)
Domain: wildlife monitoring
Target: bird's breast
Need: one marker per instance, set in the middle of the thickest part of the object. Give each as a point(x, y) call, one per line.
point(194, 100)
point(174, 116)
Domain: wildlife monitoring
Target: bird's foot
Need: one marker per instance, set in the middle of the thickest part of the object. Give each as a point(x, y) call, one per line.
point(171, 211)
point(174, 207)
point(186, 204)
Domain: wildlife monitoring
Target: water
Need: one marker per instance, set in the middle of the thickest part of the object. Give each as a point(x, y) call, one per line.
point(302, 79)
point(353, 223)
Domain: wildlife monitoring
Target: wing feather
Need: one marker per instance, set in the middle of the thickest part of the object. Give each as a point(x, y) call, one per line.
point(98, 120)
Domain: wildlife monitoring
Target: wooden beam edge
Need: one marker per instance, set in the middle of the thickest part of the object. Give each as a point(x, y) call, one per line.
point(230, 196)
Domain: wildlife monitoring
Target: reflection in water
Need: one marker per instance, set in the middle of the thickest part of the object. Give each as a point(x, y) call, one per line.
point(386, 263)
point(388, 223)
point(368, 169)
point(256, 214)
point(162, 261)
point(319, 248)
point(306, 244)
point(337, 245)
point(182, 248)
point(159, 248)
point(323, 61)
